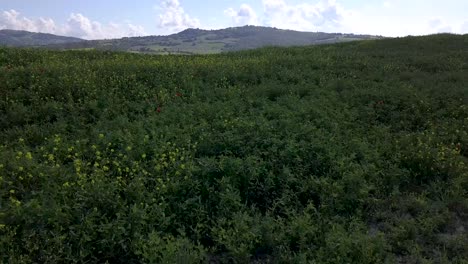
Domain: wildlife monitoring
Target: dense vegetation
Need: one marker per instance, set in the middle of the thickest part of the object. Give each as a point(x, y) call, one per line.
point(348, 153)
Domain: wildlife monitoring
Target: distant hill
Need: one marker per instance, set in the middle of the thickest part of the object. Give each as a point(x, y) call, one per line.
point(20, 38)
point(189, 41)
point(198, 41)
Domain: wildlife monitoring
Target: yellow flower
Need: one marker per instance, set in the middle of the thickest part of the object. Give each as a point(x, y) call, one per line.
point(29, 155)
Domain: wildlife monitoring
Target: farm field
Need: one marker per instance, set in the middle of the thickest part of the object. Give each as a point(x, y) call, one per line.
point(348, 153)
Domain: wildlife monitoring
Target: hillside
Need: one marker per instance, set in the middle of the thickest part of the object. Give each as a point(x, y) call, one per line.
point(198, 41)
point(348, 153)
point(19, 38)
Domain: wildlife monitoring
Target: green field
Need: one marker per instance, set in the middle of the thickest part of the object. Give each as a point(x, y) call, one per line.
point(348, 153)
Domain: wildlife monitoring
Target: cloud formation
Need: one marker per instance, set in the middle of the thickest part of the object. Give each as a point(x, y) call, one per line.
point(172, 17)
point(382, 17)
point(464, 28)
point(80, 26)
point(244, 16)
point(77, 25)
point(13, 20)
point(436, 25)
point(326, 15)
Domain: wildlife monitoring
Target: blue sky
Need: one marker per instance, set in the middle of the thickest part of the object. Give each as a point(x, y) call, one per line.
point(96, 19)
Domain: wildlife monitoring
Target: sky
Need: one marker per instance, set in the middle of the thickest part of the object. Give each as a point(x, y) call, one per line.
point(99, 19)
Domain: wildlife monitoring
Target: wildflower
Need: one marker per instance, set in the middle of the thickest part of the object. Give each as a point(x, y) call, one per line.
point(158, 109)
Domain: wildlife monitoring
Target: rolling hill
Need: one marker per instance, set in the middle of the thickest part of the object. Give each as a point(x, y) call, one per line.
point(20, 38)
point(199, 41)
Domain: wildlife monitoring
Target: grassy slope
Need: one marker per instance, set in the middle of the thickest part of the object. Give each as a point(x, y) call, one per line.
point(349, 153)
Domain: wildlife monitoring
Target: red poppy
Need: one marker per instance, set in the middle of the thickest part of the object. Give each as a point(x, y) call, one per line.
point(158, 109)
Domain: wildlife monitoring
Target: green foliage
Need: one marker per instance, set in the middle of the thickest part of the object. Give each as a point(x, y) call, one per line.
point(351, 153)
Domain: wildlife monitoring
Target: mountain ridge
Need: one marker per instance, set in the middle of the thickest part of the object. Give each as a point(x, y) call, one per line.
point(202, 41)
point(22, 38)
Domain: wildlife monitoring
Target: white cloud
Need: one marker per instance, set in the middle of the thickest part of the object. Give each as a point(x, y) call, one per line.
point(464, 28)
point(244, 16)
point(326, 15)
point(77, 25)
point(13, 20)
point(135, 30)
point(382, 17)
point(172, 17)
point(437, 25)
point(80, 26)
